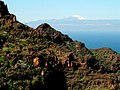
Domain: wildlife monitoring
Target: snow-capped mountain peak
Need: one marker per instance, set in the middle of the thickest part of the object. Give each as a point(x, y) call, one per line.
point(78, 17)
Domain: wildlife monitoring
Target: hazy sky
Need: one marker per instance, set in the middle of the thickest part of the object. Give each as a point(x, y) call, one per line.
point(30, 10)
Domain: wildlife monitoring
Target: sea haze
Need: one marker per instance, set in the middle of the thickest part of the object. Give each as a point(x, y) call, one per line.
point(94, 33)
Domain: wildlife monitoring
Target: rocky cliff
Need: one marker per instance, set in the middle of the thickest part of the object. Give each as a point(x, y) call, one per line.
point(3, 9)
point(44, 58)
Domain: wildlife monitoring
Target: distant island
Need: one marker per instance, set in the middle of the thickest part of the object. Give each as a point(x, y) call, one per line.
point(46, 59)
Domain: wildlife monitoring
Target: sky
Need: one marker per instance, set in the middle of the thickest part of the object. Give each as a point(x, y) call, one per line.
point(31, 10)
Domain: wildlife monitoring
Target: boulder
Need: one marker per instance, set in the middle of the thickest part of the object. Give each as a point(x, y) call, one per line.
point(36, 62)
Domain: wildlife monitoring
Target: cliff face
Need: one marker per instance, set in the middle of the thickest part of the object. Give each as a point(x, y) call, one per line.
point(44, 58)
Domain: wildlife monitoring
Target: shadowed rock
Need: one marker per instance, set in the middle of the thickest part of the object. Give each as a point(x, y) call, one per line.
point(3, 9)
point(51, 34)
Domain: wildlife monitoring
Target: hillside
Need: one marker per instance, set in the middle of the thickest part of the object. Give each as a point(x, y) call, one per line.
point(45, 59)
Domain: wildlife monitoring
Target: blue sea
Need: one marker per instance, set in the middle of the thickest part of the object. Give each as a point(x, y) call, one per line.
point(94, 36)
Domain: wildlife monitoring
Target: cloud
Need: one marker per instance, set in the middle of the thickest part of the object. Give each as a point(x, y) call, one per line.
point(78, 17)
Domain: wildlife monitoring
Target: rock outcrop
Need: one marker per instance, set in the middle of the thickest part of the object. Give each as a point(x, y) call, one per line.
point(3, 9)
point(47, 32)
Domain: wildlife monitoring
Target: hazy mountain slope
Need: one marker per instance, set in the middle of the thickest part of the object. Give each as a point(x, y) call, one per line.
point(74, 21)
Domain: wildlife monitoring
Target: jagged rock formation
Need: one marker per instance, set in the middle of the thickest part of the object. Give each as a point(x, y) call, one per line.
point(3, 9)
point(46, 59)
